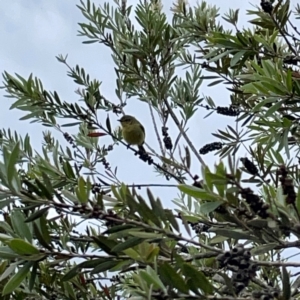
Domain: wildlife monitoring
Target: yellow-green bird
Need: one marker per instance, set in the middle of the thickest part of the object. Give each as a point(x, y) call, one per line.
point(133, 131)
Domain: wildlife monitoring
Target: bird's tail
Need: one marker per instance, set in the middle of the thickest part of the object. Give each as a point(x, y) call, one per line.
point(142, 149)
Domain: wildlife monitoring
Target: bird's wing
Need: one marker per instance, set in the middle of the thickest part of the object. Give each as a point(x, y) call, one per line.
point(142, 127)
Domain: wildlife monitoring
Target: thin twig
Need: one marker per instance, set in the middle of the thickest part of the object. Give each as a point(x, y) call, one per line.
point(295, 28)
point(283, 35)
point(277, 263)
point(174, 117)
point(163, 231)
point(137, 185)
point(156, 130)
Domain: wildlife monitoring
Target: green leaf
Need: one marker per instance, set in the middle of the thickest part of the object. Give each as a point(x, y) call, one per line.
point(69, 290)
point(286, 285)
point(5, 238)
point(70, 124)
point(92, 263)
point(8, 172)
point(7, 228)
point(42, 237)
point(215, 82)
point(104, 243)
point(171, 218)
point(46, 190)
point(275, 87)
point(236, 58)
point(274, 108)
point(70, 196)
point(118, 228)
point(17, 279)
point(156, 205)
point(170, 277)
point(13, 159)
point(258, 223)
point(295, 285)
point(145, 211)
point(21, 247)
point(234, 234)
point(20, 226)
point(37, 214)
point(48, 183)
point(196, 279)
point(219, 56)
point(198, 193)
point(44, 228)
point(33, 188)
point(81, 191)
point(262, 249)
point(152, 279)
point(146, 235)
point(208, 207)
point(70, 274)
point(8, 270)
point(109, 264)
point(218, 239)
point(33, 274)
point(131, 242)
point(289, 80)
point(7, 253)
point(68, 169)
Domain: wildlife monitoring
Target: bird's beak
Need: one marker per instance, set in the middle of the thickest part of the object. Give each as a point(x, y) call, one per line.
point(119, 120)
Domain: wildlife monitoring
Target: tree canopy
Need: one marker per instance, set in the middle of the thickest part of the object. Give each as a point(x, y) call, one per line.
point(71, 229)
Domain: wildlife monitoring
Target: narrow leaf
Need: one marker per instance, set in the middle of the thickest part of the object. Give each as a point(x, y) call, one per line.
point(17, 279)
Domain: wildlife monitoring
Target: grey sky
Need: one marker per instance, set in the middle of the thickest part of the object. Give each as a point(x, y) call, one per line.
point(33, 34)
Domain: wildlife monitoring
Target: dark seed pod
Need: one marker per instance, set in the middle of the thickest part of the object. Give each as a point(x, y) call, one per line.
point(238, 250)
point(247, 254)
point(239, 286)
point(228, 111)
point(249, 165)
point(253, 268)
point(235, 261)
point(227, 254)
point(238, 277)
point(211, 147)
point(168, 143)
point(266, 6)
point(275, 293)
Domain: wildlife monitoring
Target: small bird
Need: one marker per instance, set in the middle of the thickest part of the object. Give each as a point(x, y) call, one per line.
point(133, 131)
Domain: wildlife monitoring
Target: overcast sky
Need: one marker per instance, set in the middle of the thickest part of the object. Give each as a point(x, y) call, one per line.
point(33, 32)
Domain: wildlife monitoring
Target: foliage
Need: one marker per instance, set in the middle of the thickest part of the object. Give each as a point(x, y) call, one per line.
point(226, 237)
